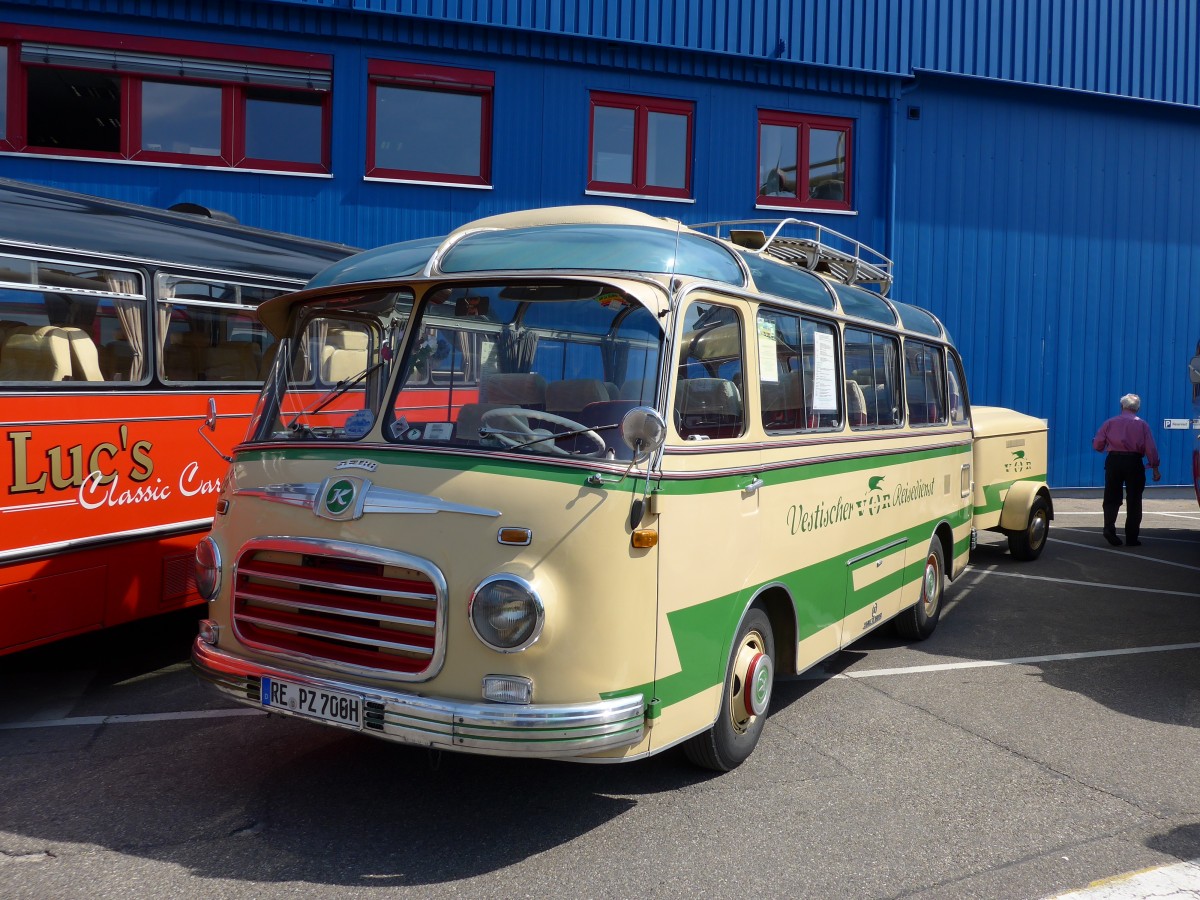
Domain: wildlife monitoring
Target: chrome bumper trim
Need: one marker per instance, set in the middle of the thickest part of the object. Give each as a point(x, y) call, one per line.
point(491, 728)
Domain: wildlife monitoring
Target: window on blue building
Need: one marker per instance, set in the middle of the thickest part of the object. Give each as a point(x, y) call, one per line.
point(3, 92)
point(181, 118)
point(429, 124)
point(803, 161)
point(164, 101)
point(640, 145)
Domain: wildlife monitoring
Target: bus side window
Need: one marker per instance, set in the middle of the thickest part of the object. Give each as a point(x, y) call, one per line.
point(924, 384)
point(708, 393)
point(959, 413)
point(798, 381)
point(872, 362)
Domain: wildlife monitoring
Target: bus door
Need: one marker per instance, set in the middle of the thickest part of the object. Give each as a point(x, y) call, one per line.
point(710, 521)
point(875, 559)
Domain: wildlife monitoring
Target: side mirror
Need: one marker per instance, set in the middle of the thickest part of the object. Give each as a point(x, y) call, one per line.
point(210, 422)
point(643, 430)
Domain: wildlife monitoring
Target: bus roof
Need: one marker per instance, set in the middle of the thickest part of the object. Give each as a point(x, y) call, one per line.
point(799, 261)
point(63, 220)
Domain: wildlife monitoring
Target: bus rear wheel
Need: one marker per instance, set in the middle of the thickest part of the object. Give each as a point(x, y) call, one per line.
point(1029, 543)
point(918, 622)
point(744, 699)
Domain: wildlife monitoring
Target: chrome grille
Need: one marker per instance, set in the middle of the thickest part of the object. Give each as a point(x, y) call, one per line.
point(345, 605)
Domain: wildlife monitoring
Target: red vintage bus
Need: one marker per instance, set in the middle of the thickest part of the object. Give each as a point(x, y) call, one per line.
point(118, 323)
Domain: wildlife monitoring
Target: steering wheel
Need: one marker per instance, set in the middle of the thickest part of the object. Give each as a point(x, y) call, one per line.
point(518, 432)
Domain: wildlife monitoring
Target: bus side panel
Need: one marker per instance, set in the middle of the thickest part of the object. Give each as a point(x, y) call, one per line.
point(710, 557)
point(848, 536)
point(103, 497)
point(82, 591)
point(86, 468)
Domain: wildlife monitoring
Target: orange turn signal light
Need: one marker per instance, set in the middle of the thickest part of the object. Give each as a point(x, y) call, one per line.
point(645, 538)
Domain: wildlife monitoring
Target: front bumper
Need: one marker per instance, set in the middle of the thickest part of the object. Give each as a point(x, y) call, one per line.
point(579, 729)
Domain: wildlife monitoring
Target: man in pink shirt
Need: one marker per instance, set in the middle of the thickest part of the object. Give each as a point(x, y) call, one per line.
point(1126, 439)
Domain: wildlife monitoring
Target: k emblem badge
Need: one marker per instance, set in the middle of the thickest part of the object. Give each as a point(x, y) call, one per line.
point(341, 498)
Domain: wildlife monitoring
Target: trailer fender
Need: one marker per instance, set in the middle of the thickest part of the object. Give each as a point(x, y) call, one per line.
point(1014, 516)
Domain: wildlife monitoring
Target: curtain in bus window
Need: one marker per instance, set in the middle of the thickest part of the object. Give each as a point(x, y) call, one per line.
point(515, 348)
point(131, 314)
point(164, 325)
point(615, 354)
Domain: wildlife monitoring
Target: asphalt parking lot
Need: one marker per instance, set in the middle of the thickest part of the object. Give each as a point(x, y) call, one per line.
point(1044, 738)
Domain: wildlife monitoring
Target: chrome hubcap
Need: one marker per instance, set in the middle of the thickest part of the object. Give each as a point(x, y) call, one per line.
point(1037, 529)
point(929, 590)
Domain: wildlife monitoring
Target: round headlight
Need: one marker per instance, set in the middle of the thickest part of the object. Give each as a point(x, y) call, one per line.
point(208, 568)
point(506, 613)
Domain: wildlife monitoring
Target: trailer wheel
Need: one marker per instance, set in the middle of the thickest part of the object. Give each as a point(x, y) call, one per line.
point(744, 701)
point(1029, 543)
point(918, 622)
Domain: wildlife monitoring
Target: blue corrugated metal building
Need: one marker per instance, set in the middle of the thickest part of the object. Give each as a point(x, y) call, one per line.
point(1028, 164)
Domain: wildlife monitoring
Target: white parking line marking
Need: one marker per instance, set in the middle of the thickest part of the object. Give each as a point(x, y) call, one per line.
point(994, 663)
point(1093, 584)
point(1140, 557)
point(1156, 539)
point(131, 719)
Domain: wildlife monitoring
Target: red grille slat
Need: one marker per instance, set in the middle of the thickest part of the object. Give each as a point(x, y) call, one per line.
point(334, 603)
point(353, 607)
point(349, 629)
point(346, 579)
point(308, 646)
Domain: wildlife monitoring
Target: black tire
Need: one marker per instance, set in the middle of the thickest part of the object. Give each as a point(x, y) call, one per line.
point(1029, 543)
point(751, 669)
point(918, 622)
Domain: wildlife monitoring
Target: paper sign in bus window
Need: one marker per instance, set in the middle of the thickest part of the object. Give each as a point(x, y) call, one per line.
point(768, 365)
point(824, 373)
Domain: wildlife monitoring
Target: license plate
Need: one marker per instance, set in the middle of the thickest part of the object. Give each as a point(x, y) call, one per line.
point(314, 702)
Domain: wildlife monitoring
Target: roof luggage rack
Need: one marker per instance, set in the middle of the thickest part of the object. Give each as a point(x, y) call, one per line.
point(809, 246)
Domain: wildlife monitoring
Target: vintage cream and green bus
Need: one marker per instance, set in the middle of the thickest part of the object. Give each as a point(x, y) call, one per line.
point(591, 479)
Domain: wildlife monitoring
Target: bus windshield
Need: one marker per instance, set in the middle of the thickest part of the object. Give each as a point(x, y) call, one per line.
point(541, 368)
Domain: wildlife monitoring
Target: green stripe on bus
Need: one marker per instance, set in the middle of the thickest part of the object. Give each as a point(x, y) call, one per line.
point(703, 633)
point(993, 500)
point(788, 473)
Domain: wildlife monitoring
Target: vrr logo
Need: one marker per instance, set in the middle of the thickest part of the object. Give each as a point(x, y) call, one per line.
point(1018, 463)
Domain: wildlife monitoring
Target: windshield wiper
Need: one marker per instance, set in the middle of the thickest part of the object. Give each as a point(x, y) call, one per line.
point(332, 394)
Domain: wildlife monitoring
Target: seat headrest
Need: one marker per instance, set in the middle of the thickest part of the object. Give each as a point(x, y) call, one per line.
point(574, 394)
point(515, 388)
point(709, 396)
point(348, 339)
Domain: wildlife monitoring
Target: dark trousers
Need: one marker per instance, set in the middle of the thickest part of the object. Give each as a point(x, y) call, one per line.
point(1124, 472)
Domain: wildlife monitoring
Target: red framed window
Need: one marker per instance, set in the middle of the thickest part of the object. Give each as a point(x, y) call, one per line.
point(640, 145)
point(429, 123)
point(138, 99)
point(804, 161)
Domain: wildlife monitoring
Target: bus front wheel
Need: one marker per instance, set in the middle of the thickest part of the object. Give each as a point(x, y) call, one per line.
point(918, 622)
point(744, 700)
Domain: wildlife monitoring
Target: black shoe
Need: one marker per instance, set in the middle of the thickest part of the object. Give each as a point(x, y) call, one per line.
point(1134, 542)
point(1111, 537)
